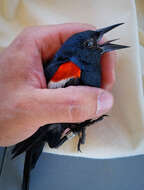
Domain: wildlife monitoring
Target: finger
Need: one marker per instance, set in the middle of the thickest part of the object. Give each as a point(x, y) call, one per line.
point(50, 38)
point(60, 106)
point(108, 62)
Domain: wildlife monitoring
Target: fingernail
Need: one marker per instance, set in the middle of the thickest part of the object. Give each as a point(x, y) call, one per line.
point(104, 103)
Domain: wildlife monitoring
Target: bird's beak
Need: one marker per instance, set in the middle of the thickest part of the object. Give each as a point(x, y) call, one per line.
point(102, 31)
point(108, 46)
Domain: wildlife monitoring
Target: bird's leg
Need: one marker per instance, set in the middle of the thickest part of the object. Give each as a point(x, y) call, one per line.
point(69, 135)
point(82, 137)
point(82, 131)
point(77, 129)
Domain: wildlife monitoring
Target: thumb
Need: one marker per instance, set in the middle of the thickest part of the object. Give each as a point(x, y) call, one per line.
point(71, 104)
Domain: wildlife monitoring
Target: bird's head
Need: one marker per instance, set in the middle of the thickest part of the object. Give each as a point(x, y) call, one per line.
point(85, 50)
point(88, 44)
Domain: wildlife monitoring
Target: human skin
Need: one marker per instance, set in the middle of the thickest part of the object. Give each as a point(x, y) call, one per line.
point(26, 103)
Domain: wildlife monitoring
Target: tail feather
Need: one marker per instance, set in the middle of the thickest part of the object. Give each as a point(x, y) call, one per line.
point(27, 169)
point(36, 154)
point(31, 159)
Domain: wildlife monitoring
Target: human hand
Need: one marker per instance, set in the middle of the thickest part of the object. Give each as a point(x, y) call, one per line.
point(26, 103)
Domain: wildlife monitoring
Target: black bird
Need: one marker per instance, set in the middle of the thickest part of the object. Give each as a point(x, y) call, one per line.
point(77, 62)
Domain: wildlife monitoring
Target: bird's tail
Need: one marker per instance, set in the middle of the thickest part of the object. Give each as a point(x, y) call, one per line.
point(31, 158)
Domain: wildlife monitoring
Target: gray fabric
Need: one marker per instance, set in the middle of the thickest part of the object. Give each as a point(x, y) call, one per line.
point(74, 173)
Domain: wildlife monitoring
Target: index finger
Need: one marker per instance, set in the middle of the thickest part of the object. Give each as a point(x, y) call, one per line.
point(50, 38)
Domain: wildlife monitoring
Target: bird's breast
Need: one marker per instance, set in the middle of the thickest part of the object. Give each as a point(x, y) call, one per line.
point(64, 73)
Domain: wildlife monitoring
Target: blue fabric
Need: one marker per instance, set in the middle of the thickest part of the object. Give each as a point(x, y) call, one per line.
point(73, 173)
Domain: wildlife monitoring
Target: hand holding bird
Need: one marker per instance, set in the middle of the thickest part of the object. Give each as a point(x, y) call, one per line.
point(26, 103)
point(78, 62)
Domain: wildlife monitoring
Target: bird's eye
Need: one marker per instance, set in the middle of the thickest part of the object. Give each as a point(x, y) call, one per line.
point(89, 43)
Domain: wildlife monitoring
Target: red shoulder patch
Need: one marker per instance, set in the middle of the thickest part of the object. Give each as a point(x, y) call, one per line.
point(66, 70)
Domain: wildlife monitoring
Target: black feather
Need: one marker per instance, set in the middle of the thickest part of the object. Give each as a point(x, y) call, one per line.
point(27, 169)
point(31, 159)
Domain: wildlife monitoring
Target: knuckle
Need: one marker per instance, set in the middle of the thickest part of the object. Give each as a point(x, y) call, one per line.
point(29, 31)
point(75, 100)
point(77, 109)
point(24, 41)
point(26, 33)
point(26, 30)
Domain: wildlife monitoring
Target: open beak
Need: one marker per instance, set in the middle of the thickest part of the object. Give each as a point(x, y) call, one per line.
point(108, 46)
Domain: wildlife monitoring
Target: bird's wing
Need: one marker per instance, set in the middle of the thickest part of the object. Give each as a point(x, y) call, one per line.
point(30, 142)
